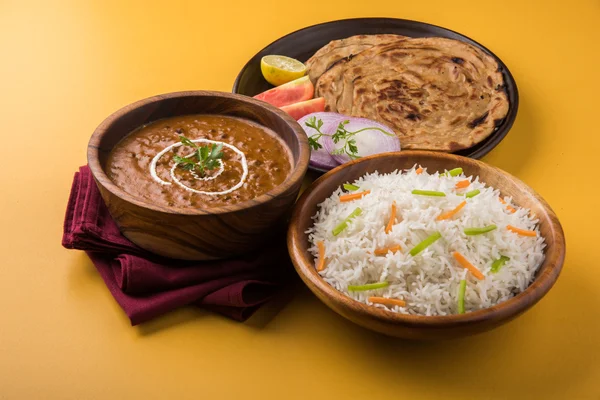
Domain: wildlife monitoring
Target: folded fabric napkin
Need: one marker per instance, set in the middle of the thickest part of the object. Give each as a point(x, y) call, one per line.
point(146, 285)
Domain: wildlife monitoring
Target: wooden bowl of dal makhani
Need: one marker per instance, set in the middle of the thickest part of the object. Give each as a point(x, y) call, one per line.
point(199, 175)
point(425, 245)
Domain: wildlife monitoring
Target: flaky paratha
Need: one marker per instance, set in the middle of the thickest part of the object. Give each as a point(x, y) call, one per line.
point(337, 50)
point(435, 93)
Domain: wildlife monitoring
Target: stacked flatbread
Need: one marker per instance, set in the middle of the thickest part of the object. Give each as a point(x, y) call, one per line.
point(435, 93)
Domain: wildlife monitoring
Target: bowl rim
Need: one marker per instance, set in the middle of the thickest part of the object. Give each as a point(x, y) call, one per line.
point(545, 279)
point(297, 173)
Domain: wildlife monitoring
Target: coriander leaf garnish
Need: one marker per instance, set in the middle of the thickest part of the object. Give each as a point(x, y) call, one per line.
point(217, 152)
point(341, 132)
point(350, 147)
point(205, 158)
point(185, 163)
point(314, 144)
point(187, 142)
point(315, 124)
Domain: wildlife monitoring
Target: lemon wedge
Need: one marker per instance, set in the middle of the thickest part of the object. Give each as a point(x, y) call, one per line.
point(278, 70)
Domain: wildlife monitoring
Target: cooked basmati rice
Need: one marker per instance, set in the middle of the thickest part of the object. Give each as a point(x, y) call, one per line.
point(428, 282)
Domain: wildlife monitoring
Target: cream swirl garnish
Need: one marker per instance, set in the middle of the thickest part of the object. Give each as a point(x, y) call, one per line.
point(219, 171)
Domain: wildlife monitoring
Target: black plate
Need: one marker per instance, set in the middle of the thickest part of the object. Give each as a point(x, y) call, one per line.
point(303, 43)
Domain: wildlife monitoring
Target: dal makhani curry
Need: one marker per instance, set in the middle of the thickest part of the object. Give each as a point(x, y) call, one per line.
point(199, 161)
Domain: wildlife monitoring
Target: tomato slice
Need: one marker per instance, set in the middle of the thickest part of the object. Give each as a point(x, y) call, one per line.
point(292, 92)
point(299, 110)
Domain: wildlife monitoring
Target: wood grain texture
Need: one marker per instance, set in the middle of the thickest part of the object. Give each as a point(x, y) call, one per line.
point(198, 234)
point(421, 327)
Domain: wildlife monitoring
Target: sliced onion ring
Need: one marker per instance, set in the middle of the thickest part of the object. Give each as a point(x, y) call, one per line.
point(321, 158)
point(368, 142)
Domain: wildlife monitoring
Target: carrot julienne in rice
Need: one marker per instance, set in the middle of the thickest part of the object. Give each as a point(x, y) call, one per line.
point(499, 251)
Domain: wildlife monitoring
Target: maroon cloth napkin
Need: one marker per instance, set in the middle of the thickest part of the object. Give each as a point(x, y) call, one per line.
point(146, 285)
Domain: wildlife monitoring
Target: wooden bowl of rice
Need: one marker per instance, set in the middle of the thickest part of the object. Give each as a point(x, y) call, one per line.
point(425, 327)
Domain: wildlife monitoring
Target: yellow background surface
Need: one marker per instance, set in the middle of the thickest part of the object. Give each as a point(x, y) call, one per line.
point(65, 66)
